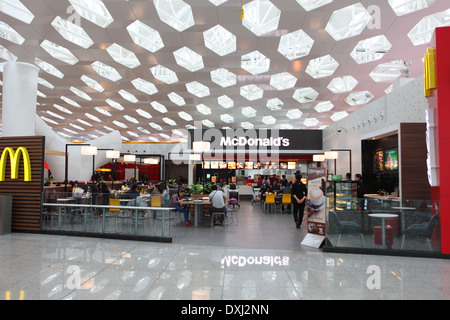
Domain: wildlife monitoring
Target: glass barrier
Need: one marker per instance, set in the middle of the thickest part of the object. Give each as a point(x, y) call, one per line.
point(113, 213)
point(384, 223)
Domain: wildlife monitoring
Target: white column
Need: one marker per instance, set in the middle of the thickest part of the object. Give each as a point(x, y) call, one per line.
point(20, 84)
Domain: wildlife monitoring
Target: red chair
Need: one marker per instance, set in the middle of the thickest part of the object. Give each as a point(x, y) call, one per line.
point(393, 223)
point(377, 235)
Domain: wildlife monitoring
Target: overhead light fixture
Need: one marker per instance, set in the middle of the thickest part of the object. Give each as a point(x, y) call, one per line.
point(112, 154)
point(151, 161)
point(89, 151)
point(201, 146)
point(275, 104)
point(80, 93)
point(128, 96)
point(114, 104)
point(225, 101)
point(143, 113)
point(204, 109)
point(318, 158)
point(331, 155)
point(404, 7)
point(91, 83)
point(129, 158)
point(159, 107)
point(47, 67)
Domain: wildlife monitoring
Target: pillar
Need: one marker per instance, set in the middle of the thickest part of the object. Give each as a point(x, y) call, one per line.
point(20, 84)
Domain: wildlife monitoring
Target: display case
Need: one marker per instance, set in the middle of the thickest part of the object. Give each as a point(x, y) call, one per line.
point(342, 196)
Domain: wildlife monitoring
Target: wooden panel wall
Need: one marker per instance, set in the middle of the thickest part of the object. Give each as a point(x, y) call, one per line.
point(413, 162)
point(26, 209)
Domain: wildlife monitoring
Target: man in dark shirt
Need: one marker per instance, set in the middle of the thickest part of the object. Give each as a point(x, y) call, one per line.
point(299, 193)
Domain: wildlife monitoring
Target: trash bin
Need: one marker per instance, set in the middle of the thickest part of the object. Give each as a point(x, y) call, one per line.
point(5, 214)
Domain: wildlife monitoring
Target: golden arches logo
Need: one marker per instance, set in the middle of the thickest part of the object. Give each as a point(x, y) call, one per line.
point(14, 157)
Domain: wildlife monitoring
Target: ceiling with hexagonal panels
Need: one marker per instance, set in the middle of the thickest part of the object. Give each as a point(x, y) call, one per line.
point(152, 69)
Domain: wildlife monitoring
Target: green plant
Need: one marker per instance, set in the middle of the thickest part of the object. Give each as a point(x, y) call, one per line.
point(196, 188)
point(171, 183)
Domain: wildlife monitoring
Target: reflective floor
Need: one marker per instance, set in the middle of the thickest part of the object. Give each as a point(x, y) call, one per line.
point(215, 264)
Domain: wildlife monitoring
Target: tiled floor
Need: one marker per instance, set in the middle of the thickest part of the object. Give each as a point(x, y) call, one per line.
point(260, 259)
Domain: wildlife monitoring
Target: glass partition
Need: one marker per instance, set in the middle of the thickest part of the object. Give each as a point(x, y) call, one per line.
point(383, 223)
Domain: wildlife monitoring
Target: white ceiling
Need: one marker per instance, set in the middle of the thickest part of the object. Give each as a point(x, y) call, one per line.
point(206, 15)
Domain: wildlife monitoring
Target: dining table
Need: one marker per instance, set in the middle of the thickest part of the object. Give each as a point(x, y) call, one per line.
point(383, 216)
point(402, 214)
point(198, 206)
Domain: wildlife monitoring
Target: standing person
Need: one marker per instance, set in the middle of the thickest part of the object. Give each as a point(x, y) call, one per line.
point(175, 203)
point(361, 190)
point(218, 200)
point(299, 193)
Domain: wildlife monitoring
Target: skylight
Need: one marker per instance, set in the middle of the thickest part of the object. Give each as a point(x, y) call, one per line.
point(84, 122)
point(324, 106)
point(305, 95)
point(261, 17)
point(255, 63)
point(294, 114)
point(155, 126)
point(283, 81)
point(185, 116)
point(342, 84)
point(73, 33)
point(131, 119)
point(128, 96)
point(80, 93)
point(295, 45)
point(164, 74)
point(77, 127)
point(225, 101)
point(114, 104)
point(227, 118)
point(7, 55)
point(58, 52)
point(269, 120)
point(359, 98)
point(208, 123)
point(145, 36)
point(8, 33)
point(123, 56)
point(177, 99)
point(310, 5)
point(159, 107)
point(422, 33)
point(220, 40)
point(175, 13)
point(49, 68)
point(223, 77)
point(322, 67)
point(249, 112)
point(203, 109)
point(92, 83)
point(252, 92)
point(55, 115)
point(94, 11)
point(106, 71)
point(217, 2)
point(70, 101)
point(197, 89)
point(403, 7)
point(45, 83)
point(247, 125)
point(339, 116)
point(188, 59)
point(311, 122)
point(103, 111)
point(348, 22)
point(275, 104)
point(92, 117)
point(144, 86)
point(63, 109)
point(388, 71)
point(170, 122)
point(120, 124)
point(49, 120)
point(17, 10)
point(143, 113)
point(371, 49)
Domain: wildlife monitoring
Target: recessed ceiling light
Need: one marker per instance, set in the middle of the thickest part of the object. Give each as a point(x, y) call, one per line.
point(220, 40)
point(106, 71)
point(188, 59)
point(8, 33)
point(294, 114)
point(92, 83)
point(223, 77)
point(114, 104)
point(388, 71)
point(128, 96)
point(71, 32)
point(305, 95)
point(322, 67)
point(371, 49)
point(252, 92)
point(177, 99)
point(175, 13)
point(359, 98)
point(49, 68)
point(261, 17)
point(310, 5)
point(164, 74)
point(94, 11)
point(283, 81)
point(123, 56)
point(225, 101)
point(17, 10)
point(295, 45)
point(197, 89)
point(422, 33)
point(275, 104)
point(255, 63)
point(348, 22)
point(159, 107)
point(145, 36)
point(324, 106)
point(403, 7)
point(342, 84)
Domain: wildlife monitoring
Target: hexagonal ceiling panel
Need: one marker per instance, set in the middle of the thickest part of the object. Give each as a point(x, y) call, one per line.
point(153, 68)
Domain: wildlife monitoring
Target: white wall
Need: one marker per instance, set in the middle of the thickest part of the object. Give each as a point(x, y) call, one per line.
point(405, 104)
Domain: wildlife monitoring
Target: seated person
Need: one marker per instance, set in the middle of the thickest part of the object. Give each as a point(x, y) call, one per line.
point(249, 181)
point(276, 187)
point(175, 203)
point(219, 203)
point(133, 192)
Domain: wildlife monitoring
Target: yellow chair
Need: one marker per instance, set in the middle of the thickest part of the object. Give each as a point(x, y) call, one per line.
point(155, 201)
point(286, 199)
point(270, 200)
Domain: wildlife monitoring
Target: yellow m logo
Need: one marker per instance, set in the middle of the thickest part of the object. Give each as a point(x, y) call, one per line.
point(15, 162)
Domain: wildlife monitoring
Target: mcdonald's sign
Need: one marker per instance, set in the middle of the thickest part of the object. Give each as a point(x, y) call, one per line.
point(15, 157)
